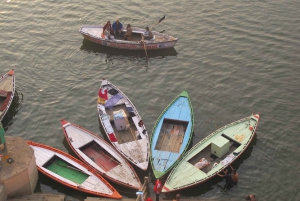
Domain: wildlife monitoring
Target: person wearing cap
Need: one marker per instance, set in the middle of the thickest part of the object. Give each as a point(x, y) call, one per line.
point(117, 28)
point(147, 35)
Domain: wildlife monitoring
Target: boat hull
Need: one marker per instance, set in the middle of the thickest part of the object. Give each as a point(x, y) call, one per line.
point(7, 92)
point(100, 155)
point(171, 135)
point(238, 135)
point(93, 33)
point(71, 172)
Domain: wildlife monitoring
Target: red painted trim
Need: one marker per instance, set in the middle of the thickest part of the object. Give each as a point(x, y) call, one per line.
point(115, 194)
point(63, 122)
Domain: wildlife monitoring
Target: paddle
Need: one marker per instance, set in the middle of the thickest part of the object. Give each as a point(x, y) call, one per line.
point(161, 19)
point(144, 47)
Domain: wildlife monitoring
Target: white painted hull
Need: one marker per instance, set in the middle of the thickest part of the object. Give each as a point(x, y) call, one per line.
point(136, 151)
point(122, 173)
point(93, 33)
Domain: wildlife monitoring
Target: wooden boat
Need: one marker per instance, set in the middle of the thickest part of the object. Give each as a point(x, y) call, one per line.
point(100, 155)
point(159, 41)
point(7, 92)
point(123, 125)
point(220, 148)
point(171, 134)
point(71, 172)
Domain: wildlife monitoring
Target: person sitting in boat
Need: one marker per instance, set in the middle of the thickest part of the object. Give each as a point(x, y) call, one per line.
point(202, 163)
point(127, 35)
point(117, 28)
point(107, 34)
point(147, 35)
point(107, 25)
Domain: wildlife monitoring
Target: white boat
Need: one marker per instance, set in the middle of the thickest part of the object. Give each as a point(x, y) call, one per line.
point(212, 154)
point(160, 40)
point(71, 172)
point(7, 92)
point(123, 125)
point(100, 155)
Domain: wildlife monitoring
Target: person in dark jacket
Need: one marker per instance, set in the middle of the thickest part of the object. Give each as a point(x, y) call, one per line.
point(117, 28)
point(228, 178)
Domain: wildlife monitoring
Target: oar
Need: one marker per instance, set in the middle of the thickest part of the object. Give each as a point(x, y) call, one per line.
point(161, 19)
point(144, 47)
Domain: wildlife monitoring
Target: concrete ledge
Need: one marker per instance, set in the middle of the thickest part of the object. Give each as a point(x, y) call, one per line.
point(39, 197)
point(20, 176)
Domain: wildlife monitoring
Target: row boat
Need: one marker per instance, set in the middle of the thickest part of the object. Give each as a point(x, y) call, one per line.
point(7, 92)
point(159, 41)
point(70, 171)
point(219, 149)
point(171, 134)
point(123, 125)
point(100, 155)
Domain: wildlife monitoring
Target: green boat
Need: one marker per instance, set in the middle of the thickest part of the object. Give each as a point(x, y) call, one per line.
point(171, 134)
point(212, 154)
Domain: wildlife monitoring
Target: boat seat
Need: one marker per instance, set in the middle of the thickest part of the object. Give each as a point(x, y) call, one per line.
point(152, 38)
point(3, 93)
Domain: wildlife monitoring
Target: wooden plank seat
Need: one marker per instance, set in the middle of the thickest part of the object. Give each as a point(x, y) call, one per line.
point(3, 93)
point(5, 103)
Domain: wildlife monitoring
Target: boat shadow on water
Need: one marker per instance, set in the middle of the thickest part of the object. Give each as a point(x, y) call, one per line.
point(14, 108)
point(216, 181)
point(97, 48)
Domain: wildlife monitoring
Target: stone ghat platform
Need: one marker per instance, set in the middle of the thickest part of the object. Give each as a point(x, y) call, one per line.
point(18, 171)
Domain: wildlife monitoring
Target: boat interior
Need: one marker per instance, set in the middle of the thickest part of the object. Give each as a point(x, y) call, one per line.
point(5, 92)
point(171, 135)
point(100, 156)
point(128, 134)
point(206, 153)
point(65, 170)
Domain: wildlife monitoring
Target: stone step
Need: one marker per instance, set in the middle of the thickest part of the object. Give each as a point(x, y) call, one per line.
point(39, 197)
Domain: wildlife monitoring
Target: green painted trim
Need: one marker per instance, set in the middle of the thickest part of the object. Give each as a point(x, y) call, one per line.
point(2, 134)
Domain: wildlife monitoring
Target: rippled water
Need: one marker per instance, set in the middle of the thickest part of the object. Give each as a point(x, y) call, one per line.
point(233, 57)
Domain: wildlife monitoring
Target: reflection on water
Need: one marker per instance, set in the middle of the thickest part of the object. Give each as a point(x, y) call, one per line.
point(14, 108)
point(97, 48)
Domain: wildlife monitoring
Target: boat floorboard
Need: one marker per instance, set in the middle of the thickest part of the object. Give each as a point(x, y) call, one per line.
point(100, 158)
point(124, 135)
point(170, 136)
point(206, 153)
point(65, 170)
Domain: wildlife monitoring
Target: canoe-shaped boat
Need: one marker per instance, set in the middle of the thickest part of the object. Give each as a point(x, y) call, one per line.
point(7, 92)
point(123, 125)
point(71, 172)
point(171, 134)
point(219, 149)
point(100, 155)
point(159, 41)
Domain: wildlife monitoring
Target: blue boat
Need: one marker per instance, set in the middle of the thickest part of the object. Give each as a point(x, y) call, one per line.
point(171, 134)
